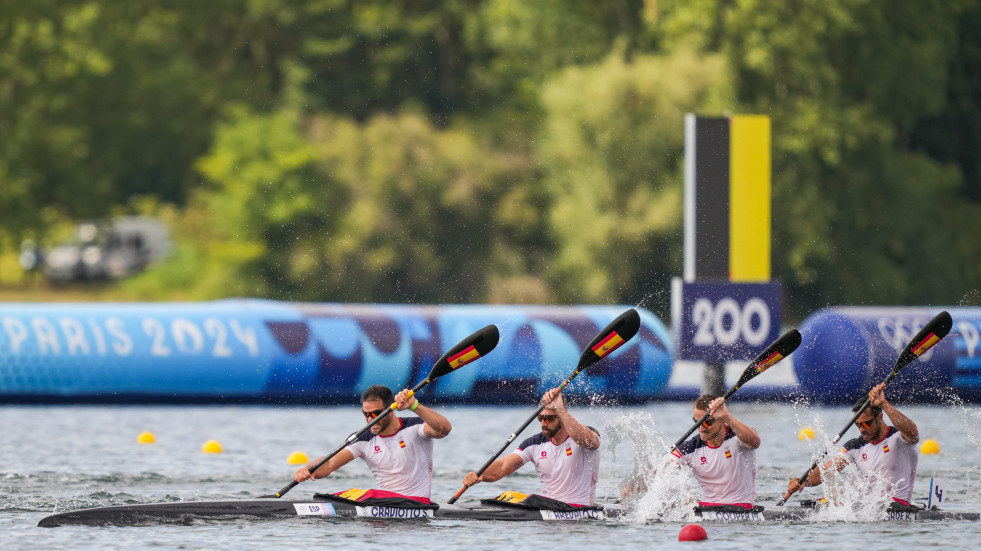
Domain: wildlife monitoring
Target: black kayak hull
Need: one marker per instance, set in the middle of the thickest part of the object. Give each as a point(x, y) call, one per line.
point(186, 512)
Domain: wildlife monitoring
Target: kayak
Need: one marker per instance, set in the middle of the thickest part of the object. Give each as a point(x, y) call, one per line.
point(187, 512)
point(184, 512)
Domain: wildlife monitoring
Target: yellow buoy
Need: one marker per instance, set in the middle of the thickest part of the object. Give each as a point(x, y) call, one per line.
point(146, 437)
point(211, 446)
point(805, 433)
point(298, 458)
point(929, 447)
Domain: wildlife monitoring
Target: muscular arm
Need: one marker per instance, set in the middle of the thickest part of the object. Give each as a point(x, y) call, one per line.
point(496, 471)
point(582, 435)
point(747, 436)
point(906, 427)
point(436, 426)
point(336, 462)
point(814, 477)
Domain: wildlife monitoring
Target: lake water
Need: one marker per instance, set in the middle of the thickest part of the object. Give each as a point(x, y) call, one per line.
point(58, 458)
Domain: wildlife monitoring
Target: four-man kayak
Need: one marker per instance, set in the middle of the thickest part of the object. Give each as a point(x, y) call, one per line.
point(185, 512)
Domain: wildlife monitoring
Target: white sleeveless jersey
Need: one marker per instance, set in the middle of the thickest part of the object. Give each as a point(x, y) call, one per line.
point(403, 462)
point(726, 474)
point(567, 471)
point(891, 458)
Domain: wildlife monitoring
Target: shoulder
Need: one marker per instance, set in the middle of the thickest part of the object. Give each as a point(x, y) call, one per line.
point(536, 440)
point(897, 436)
point(853, 444)
point(689, 446)
point(413, 425)
point(410, 422)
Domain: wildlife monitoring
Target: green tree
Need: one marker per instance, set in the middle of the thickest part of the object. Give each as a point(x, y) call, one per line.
point(613, 156)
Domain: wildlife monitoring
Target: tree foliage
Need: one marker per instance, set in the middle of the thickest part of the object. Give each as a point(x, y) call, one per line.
point(494, 150)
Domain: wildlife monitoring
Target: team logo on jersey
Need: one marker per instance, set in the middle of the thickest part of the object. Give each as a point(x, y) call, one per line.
point(401, 443)
point(378, 449)
point(568, 451)
point(703, 459)
point(544, 454)
point(864, 457)
point(728, 454)
point(885, 449)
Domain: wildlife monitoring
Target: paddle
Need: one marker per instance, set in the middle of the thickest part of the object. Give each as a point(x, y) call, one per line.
point(935, 330)
point(609, 339)
point(469, 349)
point(780, 349)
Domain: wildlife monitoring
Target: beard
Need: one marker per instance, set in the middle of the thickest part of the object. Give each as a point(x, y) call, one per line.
point(551, 430)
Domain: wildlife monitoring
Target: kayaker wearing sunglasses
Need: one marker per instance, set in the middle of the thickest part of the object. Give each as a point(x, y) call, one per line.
point(722, 456)
point(398, 450)
point(566, 455)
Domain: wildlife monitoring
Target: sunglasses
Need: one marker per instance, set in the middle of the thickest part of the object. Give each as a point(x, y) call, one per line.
point(865, 424)
point(369, 415)
point(706, 423)
point(547, 418)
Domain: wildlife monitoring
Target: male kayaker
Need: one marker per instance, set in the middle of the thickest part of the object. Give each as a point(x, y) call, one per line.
point(566, 455)
point(882, 451)
point(722, 456)
point(399, 451)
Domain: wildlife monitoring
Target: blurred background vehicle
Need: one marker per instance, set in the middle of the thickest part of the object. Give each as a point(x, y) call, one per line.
point(106, 250)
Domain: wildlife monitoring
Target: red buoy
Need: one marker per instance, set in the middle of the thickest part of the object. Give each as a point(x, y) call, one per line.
point(692, 532)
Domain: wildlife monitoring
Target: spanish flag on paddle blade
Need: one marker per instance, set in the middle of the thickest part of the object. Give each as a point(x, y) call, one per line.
point(925, 344)
point(607, 345)
point(463, 357)
point(769, 362)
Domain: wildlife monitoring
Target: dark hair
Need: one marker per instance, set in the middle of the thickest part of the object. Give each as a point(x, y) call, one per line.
point(875, 411)
point(703, 401)
point(561, 399)
point(378, 392)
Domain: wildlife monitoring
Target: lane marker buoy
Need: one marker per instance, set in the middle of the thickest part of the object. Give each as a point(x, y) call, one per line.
point(692, 532)
point(298, 458)
point(211, 446)
point(806, 433)
point(929, 447)
point(146, 437)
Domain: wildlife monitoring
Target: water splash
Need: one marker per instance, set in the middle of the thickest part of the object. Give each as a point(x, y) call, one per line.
point(848, 495)
point(656, 488)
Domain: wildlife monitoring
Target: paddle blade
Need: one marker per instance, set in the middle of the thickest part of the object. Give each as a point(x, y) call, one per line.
point(780, 349)
point(612, 336)
point(932, 333)
point(468, 350)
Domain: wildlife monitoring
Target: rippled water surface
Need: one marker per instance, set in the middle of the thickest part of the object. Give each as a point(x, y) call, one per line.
point(55, 458)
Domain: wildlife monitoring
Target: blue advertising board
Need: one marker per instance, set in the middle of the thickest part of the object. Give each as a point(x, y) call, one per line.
point(848, 349)
point(720, 321)
point(280, 352)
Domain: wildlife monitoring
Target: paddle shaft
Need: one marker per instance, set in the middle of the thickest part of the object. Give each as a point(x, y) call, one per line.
point(781, 348)
point(352, 438)
point(514, 435)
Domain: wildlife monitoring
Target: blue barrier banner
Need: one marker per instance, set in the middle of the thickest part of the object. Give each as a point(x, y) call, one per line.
point(267, 351)
point(720, 321)
point(847, 350)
